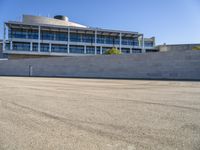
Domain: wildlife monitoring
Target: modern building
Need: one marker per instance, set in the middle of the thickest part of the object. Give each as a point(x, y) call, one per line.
point(40, 36)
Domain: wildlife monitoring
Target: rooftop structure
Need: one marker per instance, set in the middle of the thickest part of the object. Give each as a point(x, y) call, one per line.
point(36, 35)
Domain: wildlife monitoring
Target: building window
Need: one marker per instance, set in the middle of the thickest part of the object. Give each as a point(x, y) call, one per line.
point(76, 49)
point(44, 47)
point(75, 37)
point(151, 50)
point(17, 33)
point(90, 50)
point(47, 35)
point(136, 51)
point(32, 34)
point(88, 38)
point(59, 48)
point(59, 36)
point(112, 40)
point(7, 47)
point(23, 33)
point(135, 43)
point(148, 43)
point(125, 50)
point(98, 50)
point(21, 46)
point(35, 47)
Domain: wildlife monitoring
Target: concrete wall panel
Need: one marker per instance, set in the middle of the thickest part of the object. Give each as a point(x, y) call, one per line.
point(163, 65)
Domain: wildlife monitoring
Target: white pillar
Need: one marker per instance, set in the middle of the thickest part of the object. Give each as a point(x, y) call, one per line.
point(85, 49)
point(120, 41)
point(143, 46)
point(139, 41)
point(39, 32)
point(68, 42)
point(4, 37)
point(95, 42)
point(31, 46)
point(131, 51)
point(49, 47)
point(101, 50)
point(11, 45)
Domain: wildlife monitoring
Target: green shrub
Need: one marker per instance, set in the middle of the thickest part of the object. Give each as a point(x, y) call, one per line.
point(196, 48)
point(113, 51)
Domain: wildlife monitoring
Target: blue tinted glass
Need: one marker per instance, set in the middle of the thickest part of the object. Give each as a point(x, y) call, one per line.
point(44, 47)
point(90, 50)
point(21, 46)
point(76, 49)
point(59, 48)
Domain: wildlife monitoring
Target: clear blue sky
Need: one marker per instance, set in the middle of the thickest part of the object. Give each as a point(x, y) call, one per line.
point(170, 21)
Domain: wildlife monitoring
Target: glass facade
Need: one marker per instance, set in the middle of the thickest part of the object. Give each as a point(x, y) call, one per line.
point(98, 50)
point(87, 38)
point(44, 47)
point(130, 41)
point(22, 34)
point(7, 47)
point(32, 34)
point(148, 43)
point(90, 50)
point(59, 48)
point(76, 49)
point(82, 38)
point(136, 51)
point(61, 36)
point(35, 47)
point(125, 50)
point(18, 46)
point(74, 37)
point(46, 35)
point(102, 39)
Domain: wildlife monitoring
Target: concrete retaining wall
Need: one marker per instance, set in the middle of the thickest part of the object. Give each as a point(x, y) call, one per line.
point(163, 65)
point(178, 47)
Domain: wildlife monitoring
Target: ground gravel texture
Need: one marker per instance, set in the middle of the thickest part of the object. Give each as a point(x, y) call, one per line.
point(98, 114)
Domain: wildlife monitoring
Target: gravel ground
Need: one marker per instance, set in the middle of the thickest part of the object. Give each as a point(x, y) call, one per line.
point(97, 114)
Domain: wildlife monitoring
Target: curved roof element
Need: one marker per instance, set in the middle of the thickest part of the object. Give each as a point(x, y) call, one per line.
point(29, 19)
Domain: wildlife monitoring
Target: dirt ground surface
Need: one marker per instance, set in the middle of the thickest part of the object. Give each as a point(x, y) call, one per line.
point(98, 114)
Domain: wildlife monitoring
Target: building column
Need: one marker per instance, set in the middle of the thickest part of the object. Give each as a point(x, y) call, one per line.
point(154, 41)
point(11, 45)
point(101, 51)
point(31, 46)
point(68, 41)
point(39, 33)
point(120, 42)
point(85, 49)
point(139, 41)
point(131, 51)
point(95, 42)
point(143, 46)
point(49, 47)
point(4, 37)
